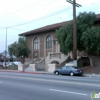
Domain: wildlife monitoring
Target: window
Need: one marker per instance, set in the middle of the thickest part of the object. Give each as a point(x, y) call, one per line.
point(68, 67)
point(64, 68)
point(36, 44)
point(48, 42)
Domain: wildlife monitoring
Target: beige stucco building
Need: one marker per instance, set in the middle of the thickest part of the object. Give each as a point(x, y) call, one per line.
point(44, 46)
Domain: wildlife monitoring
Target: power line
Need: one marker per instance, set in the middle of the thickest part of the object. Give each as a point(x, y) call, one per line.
point(31, 21)
point(7, 41)
point(37, 19)
point(7, 9)
point(19, 10)
point(9, 17)
point(16, 29)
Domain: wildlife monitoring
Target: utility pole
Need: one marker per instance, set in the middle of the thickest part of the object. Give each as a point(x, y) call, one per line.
point(74, 28)
point(5, 49)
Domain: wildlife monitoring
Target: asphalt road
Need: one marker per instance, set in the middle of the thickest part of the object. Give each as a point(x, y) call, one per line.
point(19, 86)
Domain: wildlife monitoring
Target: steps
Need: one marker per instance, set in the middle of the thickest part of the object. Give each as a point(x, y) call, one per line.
point(39, 64)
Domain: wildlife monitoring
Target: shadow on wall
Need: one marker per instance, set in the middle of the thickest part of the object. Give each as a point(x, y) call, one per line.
point(54, 62)
point(83, 61)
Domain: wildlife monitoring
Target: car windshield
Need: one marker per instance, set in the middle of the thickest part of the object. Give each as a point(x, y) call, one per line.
point(74, 67)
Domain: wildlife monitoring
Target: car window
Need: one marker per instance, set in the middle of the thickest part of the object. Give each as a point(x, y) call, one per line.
point(68, 67)
point(74, 67)
point(64, 67)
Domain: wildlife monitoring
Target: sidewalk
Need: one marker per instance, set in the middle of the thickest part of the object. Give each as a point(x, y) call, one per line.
point(92, 75)
point(49, 73)
point(34, 72)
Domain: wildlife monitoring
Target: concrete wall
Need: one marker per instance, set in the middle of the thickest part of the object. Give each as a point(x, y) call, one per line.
point(20, 67)
point(51, 67)
point(49, 61)
point(32, 67)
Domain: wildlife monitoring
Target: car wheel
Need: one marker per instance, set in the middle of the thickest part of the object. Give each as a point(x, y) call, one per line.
point(71, 74)
point(56, 73)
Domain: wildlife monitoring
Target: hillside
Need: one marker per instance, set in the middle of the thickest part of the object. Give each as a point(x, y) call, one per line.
point(91, 70)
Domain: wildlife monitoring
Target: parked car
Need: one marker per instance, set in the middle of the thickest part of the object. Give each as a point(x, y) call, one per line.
point(69, 70)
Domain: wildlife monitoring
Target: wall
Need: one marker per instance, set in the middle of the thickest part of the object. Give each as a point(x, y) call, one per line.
point(49, 60)
point(42, 52)
point(83, 61)
point(96, 60)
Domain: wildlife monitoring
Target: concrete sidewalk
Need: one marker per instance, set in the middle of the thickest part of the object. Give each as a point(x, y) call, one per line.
point(34, 72)
point(92, 75)
point(49, 73)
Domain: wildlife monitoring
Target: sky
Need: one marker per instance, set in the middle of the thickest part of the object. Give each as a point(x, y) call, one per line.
point(18, 16)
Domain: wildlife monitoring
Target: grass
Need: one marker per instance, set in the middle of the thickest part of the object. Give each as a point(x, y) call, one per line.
point(10, 67)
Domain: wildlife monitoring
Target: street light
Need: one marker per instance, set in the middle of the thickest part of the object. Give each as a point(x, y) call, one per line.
point(5, 50)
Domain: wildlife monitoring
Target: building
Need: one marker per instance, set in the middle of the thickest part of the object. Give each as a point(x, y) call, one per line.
point(44, 45)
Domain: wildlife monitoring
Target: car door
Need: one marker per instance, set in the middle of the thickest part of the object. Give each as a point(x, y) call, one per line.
point(68, 69)
point(63, 70)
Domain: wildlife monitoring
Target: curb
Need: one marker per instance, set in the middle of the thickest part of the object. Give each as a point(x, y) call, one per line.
point(92, 75)
point(37, 72)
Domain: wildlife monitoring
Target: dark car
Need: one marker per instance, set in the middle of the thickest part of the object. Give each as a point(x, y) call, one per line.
point(69, 70)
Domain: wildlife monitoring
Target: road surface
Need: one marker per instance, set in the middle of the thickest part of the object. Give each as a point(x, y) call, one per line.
point(21, 86)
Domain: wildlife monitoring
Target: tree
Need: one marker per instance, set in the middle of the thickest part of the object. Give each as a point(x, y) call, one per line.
point(91, 42)
point(64, 34)
point(84, 21)
point(65, 38)
point(85, 30)
point(12, 50)
point(19, 49)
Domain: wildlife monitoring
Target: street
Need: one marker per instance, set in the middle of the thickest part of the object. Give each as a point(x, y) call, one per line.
point(21, 86)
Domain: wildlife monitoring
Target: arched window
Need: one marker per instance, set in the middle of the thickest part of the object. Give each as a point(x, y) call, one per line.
point(48, 42)
point(36, 44)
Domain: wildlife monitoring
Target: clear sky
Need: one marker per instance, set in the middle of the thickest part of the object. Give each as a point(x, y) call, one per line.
point(19, 16)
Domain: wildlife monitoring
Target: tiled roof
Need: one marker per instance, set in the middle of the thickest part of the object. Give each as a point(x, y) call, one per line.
point(45, 28)
point(49, 27)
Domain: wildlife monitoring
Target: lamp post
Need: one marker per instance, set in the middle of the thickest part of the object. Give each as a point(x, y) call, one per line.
point(5, 50)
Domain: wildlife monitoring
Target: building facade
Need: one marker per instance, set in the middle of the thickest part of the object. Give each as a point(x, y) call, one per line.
point(43, 42)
